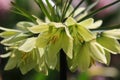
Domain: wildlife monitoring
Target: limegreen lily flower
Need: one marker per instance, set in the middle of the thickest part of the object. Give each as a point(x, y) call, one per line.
point(51, 38)
point(37, 45)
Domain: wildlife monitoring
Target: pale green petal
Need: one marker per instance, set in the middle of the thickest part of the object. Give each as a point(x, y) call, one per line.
point(73, 63)
point(85, 33)
point(51, 60)
point(42, 40)
point(97, 52)
point(5, 55)
point(41, 65)
point(68, 33)
point(86, 22)
point(7, 34)
point(18, 37)
point(84, 58)
point(13, 60)
point(39, 28)
point(42, 68)
point(51, 55)
point(23, 25)
point(7, 29)
point(6, 41)
point(28, 62)
point(67, 45)
point(14, 39)
point(110, 44)
point(70, 21)
point(115, 33)
point(29, 45)
point(95, 25)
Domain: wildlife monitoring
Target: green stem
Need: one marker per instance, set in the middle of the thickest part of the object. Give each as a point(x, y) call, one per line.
point(96, 11)
point(43, 8)
point(108, 27)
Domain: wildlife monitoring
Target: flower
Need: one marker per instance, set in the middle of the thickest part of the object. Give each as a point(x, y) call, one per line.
point(37, 45)
point(55, 37)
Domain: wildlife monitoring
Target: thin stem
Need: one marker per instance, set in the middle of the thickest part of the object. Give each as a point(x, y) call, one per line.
point(98, 10)
point(63, 66)
point(43, 8)
point(23, 12)
point(108, 27)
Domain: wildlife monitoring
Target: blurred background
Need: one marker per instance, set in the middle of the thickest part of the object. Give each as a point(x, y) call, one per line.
point(110, 16)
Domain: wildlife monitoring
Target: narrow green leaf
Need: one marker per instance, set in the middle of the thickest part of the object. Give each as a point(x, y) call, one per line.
point(92, 5)
point(109, 27)
point(52, 10)
point(98, 10)
point(65, 10)
point(43, 8)
point(23, 12)
point(49, 5)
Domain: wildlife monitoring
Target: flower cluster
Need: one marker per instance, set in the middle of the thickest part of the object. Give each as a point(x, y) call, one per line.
point(37, 46)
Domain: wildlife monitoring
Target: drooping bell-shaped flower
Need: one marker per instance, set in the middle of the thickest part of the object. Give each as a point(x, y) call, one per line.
point(53, 37)
point(85, 49)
